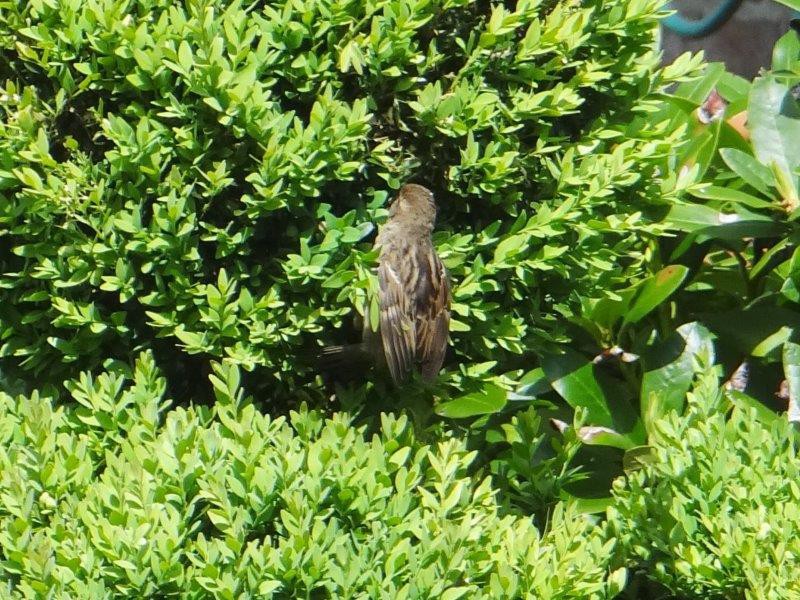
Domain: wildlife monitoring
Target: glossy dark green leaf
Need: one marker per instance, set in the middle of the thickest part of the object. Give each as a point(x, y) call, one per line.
point(669, 371)
point(604, 436)
point(725, 194)
point(749, 169)
point(606, 312)
point(655, 290)
point(734, 89)
point(706, 152)
point(573, 377)
point(708, 223)
point(593, 435)
point(750, 330)
point(489, 400)
point(786, 52)
point(534, 383)
point(774, 123)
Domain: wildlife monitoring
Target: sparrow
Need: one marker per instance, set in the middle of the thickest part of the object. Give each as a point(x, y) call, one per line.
point(414, 296)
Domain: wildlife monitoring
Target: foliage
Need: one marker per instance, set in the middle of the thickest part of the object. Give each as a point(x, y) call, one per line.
point(715, 513)
point(131, 500)
point(199, 185)
point(202, 180)
point(726, 263)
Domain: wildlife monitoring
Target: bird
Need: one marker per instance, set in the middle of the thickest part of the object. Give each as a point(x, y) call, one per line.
point(414, 296)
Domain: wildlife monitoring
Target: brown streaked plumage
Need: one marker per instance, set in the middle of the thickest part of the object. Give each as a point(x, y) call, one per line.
point(414, 296)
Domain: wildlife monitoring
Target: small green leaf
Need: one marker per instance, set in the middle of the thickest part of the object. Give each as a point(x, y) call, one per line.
point(339, 279)
point(185, 58)
point(454, 593)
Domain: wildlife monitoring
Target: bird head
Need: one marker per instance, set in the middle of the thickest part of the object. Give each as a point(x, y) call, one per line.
point(414, 204)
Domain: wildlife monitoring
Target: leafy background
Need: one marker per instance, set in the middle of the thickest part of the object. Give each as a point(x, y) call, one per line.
point(204, 180)
point(189, 198)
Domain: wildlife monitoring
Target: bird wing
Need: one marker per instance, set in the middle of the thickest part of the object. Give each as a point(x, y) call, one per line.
point(396, 323)
point(433, 318)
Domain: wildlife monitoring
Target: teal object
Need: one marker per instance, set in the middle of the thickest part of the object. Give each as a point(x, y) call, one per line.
point(701, 27)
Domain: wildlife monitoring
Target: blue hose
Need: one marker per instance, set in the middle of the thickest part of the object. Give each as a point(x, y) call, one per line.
point(707, 24)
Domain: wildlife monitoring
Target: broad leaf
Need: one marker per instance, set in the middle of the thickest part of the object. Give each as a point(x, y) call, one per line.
point(588, 505)
point(774, 122)
point(750, 331)
point(534, 383)
point(697, 91)
point(749, 169)
point(572, 376)
point(669, 371)
point(786, 52)
point(724, 194)
point(793, 4)
point(488, 400)
point(791, 370)
point(706, 222)
point(656, 290)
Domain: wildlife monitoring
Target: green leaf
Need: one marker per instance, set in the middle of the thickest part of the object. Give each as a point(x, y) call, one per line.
point(774, 123)
point(593, 435)
point(588, 505)
point(185, 58)
point(724, 194)
point(751, 330)
point(793, 4)
point(786, 52)
point(636, 458)
point(488, 400)
point(746, 402)
point(573, 377)
point(655, 290)
point(669, 371)
point(749, 169)
point(772, 342)
point(791, 370)
point(534, 383)
point(698, 90)
point(339, 279)
point(454, 593)
point(708, 223)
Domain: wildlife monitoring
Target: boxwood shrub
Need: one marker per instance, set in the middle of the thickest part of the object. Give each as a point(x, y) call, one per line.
point(203, 179)
point(715, 513)
point(117, 496)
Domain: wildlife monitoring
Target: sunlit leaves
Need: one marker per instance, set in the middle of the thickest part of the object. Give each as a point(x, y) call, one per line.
point(178, 502)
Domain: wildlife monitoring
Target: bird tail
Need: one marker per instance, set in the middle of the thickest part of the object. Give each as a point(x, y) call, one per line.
point(343, 362)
